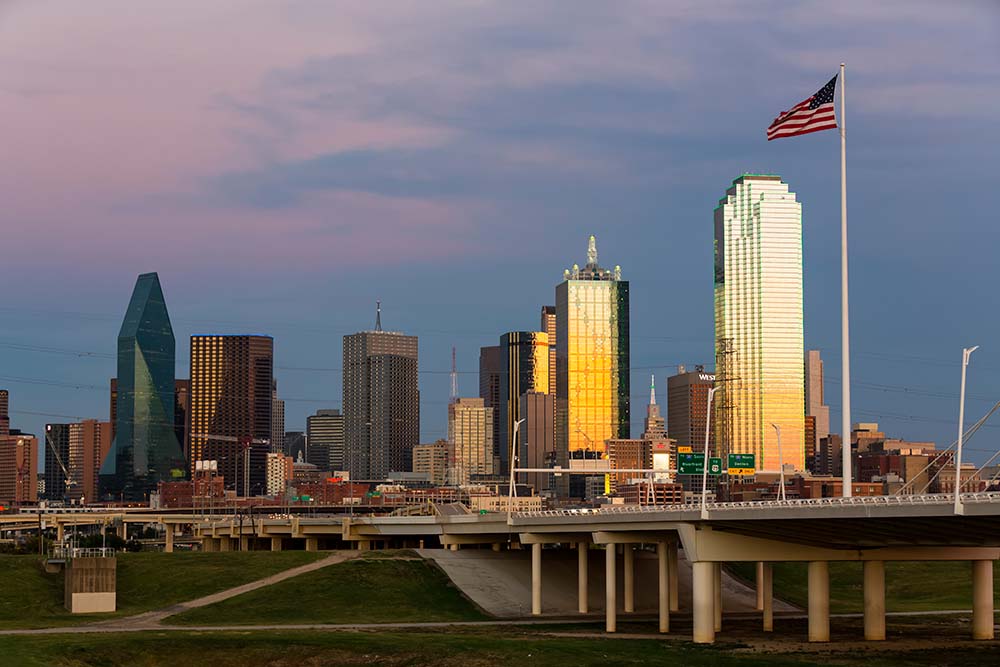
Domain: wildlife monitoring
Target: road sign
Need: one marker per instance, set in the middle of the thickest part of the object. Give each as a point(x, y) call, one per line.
point(715, 466)
point(690, 464)
point(741, 464)
point(694, 464)
point(683, 450)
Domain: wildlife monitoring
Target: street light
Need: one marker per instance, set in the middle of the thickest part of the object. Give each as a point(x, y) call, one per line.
point(513, 459)
point(966, 353)
point(704, 472)
point(781, 465)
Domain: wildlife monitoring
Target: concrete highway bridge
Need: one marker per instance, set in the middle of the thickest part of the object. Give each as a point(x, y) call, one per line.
point(872, 530)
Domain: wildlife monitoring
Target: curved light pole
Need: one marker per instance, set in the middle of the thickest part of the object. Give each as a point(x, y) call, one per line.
point(513, 460)
point(966, 353)
point(704, 472)
point(781, 465)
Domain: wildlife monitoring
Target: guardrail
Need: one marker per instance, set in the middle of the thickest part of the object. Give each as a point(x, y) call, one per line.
point(855, 501)
point(75, 552)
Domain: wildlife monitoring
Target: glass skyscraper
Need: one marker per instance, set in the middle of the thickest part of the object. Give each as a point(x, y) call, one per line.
point(592, 357)
point(758, 322)
point(145, 450)
point(525, 359)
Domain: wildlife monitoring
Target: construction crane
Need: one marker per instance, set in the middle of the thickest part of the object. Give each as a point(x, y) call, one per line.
point(245, 444)
point(68, 481)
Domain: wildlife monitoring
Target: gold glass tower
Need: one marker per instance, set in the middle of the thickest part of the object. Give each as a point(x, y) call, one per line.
point(758, 322)
point(592, 357)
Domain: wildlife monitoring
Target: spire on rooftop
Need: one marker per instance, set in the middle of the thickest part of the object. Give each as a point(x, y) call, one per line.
point(592, 250)
point(378, 316)
point(652, 390)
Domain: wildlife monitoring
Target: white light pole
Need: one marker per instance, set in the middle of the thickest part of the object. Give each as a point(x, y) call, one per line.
point(704, 472)
point(513, 460)
point(966, 353)
point(781, 465)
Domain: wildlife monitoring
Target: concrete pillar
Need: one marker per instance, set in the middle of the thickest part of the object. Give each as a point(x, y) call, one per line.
point(610, 586)
point(874, 592)
point(312, 544)
point(675, 604)
point(122, 530)
point(168, 545)
point(225, 544)
point(629, 564)
point(760, 586)
point(536, 579)
point(244, 543)
point(703, 585)
point(277, 543)
point(582, 592)
point(982, 599)
point(717, 595)
point(60, 532)
point(364, 545)
point(819, 601)
point(765, 588)
point(207, 544)
point(664, 581)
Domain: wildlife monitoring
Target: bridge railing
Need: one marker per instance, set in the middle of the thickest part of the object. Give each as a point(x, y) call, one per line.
point(854, 501)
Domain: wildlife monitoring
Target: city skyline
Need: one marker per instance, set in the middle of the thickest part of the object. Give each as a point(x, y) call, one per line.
point(612, 165)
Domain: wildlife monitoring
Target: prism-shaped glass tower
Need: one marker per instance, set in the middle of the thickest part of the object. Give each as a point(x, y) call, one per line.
point(145, 450)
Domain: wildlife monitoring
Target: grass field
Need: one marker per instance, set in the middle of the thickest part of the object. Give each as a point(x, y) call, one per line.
point(29, 598)
point(478, 647)
point(923, 586)
point(366, 590)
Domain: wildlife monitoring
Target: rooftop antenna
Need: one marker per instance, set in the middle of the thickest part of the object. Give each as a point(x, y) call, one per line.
point(592, 250)
point(652, 390)
point(454, 377)
point(378, 316)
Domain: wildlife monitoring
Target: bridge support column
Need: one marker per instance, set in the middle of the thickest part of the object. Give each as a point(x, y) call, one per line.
point(610, 586)
point(629, 565)
point(982, 599)
point(765, 589)
point(60, 532)
point(703, 585)
point(874, 592)
point(122, 531)
point(244, 543)
point(225, 544)
point(673, 574)
point(536, 579)
point(664, 582)
point(819, 601)
point(582, 592)
point(168, 537)
point(760, 586)
point(717, 595)
point(276, 543)
point(312, 544)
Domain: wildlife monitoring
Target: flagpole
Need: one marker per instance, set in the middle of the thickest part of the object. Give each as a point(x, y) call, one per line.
point(845, 343)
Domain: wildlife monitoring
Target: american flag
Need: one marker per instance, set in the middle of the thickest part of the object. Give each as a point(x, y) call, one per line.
point(810, 115)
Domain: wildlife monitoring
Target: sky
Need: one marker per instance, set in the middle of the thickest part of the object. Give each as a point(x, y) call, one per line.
point(284, 164)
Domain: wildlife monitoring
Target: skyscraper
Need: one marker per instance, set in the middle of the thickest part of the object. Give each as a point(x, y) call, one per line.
point(490, 378)
point(277, 420)
point(655, 432)
point(525, 368)
point(470, 437)
point(687, 415)
point(56, 461)
point(325, 439)
point(381, 402)
point(538, 449)
point(89, 443)
point(548, 325)
point(4, 412)
point(592, 357)
point(230, 416)
point(758, 321)
point(145, 450)
point(815, 405)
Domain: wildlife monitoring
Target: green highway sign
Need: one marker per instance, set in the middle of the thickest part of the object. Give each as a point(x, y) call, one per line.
point(741, 464)
point(694, 464)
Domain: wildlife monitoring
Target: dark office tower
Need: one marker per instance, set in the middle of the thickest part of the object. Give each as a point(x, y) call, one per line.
point(687, 411)
point(277, 421)
point(145, 450)
point(230, 416)
point(525, 358)
point(295, 444)
point(490, 374)
point(592, 358)
point(56, 460)
point(381, 402)
point(4, 412)
point(325, 438)
point(182, 403)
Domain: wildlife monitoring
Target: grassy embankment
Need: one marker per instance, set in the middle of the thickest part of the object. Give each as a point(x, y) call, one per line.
point(29, 598)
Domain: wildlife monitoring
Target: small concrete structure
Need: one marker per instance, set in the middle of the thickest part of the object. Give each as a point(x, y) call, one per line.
point(90, 584)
